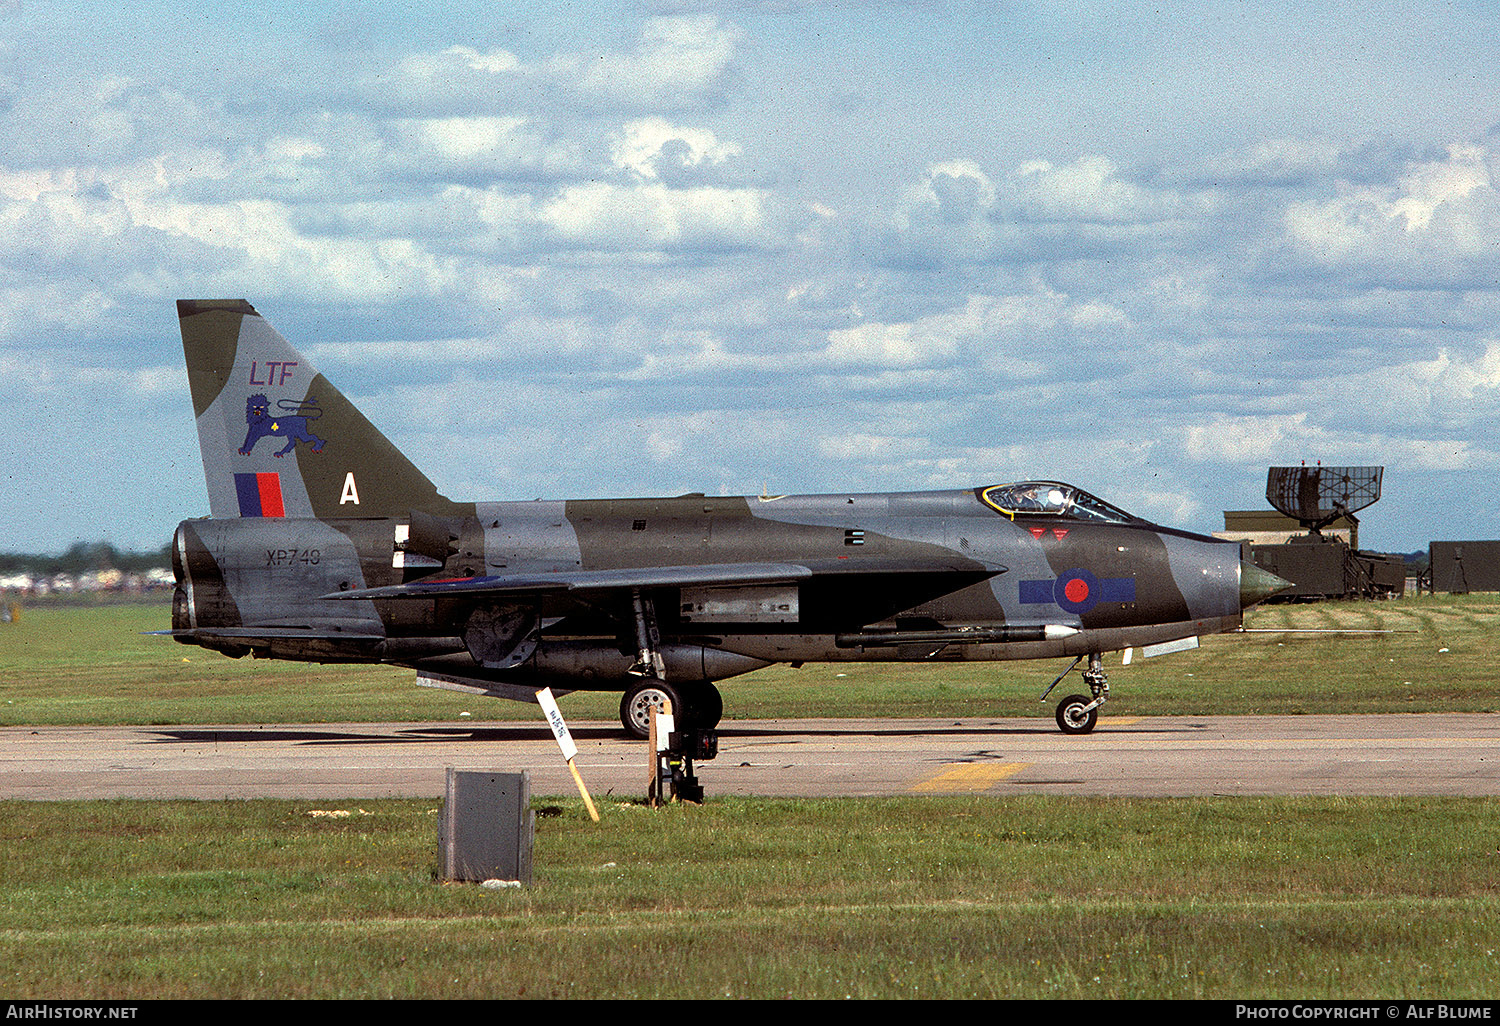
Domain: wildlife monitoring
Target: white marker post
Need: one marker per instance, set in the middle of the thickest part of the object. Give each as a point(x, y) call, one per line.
point(565, 742)
point(662, 724)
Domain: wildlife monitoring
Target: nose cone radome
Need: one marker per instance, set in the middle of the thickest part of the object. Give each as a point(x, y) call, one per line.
point(1257, 584)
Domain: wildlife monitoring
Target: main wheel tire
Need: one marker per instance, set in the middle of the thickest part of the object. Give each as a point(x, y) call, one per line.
point(703, 704)
point(1071, 718)
point(640, 701)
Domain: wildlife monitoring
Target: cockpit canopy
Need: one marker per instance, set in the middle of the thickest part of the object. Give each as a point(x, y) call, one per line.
point(1052, 499)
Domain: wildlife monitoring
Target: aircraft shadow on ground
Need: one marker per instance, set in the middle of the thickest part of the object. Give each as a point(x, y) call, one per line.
point(540, 732)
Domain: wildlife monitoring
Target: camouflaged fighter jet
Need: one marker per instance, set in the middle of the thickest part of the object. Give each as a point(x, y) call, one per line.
point(326, 544)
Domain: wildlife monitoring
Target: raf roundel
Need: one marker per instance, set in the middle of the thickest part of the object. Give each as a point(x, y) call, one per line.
point(1078, 590)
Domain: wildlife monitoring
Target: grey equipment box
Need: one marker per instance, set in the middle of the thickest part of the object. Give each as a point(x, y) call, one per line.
point(487, 826)
point(1459, 567)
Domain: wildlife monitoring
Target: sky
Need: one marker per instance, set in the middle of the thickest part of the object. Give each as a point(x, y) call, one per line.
point(617, 249)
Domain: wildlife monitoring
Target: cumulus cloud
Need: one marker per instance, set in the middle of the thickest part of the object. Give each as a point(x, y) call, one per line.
point(1429, 427)
point(32, 308)
point(961, 211)
point(651, 216)
point(1258, 440)
point(654, 147)
point(1440, 218)
point(958, 190)
point(483, 145)
point(676, 63)
point(49, 375)
point(1452, 391)
point(457, 60)
point(1088, 189)
point(1280, 161)
point(1005, 333)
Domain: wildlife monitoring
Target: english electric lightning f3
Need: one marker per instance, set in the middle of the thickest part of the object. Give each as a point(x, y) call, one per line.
point(326, 544)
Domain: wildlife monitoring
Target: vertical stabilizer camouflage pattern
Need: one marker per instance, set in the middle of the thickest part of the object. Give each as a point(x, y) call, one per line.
point(278, 440)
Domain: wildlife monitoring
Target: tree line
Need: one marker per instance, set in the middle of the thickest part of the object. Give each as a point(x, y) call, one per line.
point(86, 557)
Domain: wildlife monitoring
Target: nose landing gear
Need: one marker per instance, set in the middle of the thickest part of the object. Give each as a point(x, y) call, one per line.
point(1077, 714)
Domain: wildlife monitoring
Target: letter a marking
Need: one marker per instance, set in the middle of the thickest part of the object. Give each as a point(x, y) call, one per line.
point(350, 493)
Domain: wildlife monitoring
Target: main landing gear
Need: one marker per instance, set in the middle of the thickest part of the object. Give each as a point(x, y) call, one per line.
point(1077, 714)
point(696, 704)
point(696, 708)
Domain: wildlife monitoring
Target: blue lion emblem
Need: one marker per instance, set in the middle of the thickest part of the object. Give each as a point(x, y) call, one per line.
point(293, 427)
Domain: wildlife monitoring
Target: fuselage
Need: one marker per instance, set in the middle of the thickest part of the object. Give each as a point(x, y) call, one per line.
point(970, 574)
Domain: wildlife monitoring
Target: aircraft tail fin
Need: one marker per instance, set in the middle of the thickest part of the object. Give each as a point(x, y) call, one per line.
point(278, 440)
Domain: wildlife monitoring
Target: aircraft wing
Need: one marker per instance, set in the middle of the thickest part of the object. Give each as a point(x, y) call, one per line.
point(701, 575)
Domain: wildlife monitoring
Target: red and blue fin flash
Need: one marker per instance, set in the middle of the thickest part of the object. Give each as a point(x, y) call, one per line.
point(259, 495)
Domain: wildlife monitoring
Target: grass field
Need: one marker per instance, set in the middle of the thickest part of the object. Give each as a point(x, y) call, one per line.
point(94, 665)
point(1031, 897)
point(905, 898)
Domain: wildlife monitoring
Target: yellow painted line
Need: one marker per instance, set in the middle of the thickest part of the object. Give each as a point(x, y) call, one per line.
point(971, 776)
point(1118, 721)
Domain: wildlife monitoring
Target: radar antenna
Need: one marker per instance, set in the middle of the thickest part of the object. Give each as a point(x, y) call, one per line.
point(1317, 496)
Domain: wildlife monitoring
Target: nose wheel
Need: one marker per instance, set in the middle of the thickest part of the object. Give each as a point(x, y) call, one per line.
point(1077, 714)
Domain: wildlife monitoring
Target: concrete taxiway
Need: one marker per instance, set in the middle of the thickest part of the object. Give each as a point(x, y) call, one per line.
point(1419, 754)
